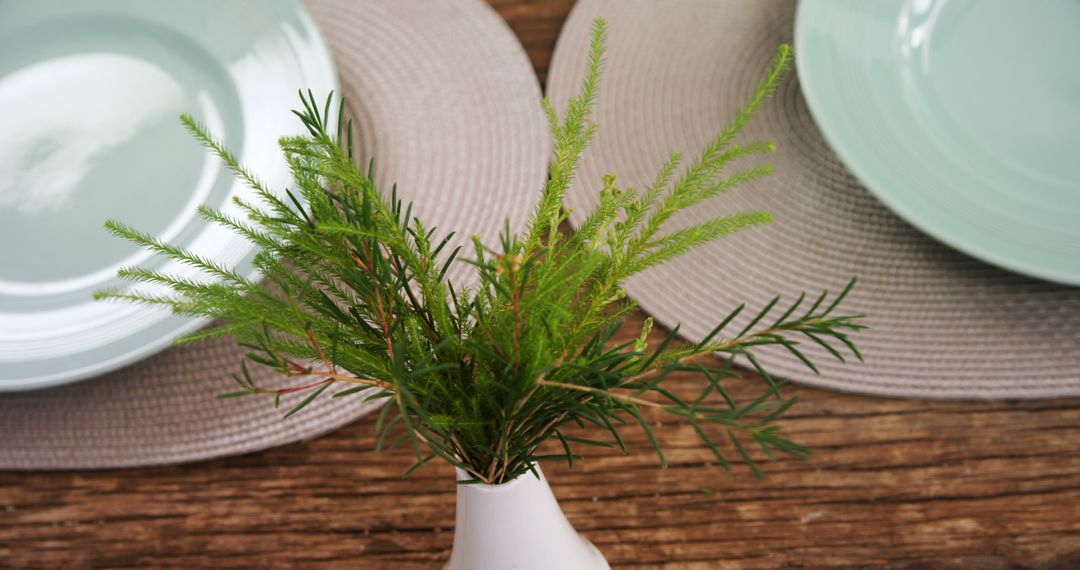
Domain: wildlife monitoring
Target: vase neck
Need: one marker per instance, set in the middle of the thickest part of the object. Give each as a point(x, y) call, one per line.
point(517, 524)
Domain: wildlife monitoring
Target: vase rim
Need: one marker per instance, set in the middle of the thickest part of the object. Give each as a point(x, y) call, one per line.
point(464, 476)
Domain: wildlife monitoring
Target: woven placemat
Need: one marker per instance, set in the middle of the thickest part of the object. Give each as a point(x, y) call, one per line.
point(446, 100)
point(944, 325)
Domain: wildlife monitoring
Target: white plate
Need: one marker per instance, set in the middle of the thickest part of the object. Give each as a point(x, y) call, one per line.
point(91, 94)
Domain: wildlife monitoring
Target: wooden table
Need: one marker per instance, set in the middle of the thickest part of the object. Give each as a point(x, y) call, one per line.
point(893, 483)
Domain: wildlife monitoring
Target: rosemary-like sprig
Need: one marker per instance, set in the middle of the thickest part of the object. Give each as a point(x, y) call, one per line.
point(481, 377)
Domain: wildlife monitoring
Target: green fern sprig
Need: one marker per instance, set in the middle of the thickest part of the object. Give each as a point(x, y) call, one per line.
point(359, 304)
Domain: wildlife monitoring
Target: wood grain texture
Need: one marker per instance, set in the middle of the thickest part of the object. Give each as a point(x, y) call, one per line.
point(892, 484)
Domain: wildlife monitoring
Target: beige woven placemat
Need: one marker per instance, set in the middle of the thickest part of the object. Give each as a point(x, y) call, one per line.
point(944, 325)
point(447, 101)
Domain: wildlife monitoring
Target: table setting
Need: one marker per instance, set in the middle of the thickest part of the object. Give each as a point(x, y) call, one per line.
point(877, 368)
point(164, 400)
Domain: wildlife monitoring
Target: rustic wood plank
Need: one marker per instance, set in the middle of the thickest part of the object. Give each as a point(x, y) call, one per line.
point(893, 484)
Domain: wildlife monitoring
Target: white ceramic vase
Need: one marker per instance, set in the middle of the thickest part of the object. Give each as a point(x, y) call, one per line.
point(517, 526)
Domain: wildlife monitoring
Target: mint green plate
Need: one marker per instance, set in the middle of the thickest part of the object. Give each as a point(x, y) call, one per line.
point(91, 93)
point(962, 116)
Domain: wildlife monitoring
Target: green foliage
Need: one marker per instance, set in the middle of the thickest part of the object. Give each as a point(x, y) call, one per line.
point(358, 302)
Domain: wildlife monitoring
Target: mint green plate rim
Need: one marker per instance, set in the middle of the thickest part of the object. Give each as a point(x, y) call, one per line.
point(828, 102)
point(318, 69)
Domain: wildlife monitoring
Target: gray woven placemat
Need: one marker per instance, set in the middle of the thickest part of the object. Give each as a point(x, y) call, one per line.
point(447, 101)
point(944, 325)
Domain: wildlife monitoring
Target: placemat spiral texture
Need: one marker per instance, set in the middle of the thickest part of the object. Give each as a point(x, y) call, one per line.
point(943, 325)
point(446, 101)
